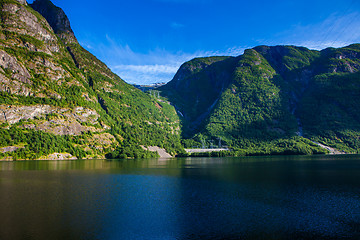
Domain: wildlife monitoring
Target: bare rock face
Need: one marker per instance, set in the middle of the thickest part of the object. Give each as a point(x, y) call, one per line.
point(14, 114)
point(59, 156)
point(56, 18)
point(59, 121)
point(14, 67)
point(9, 149)
point(14, 86)
point(22, 2)
point(14, 78)
point(22, 21)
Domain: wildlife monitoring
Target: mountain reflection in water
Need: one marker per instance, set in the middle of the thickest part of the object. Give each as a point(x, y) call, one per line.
point(312, 197)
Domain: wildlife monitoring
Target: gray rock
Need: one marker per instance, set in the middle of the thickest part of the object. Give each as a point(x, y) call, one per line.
point(22, 21)
point(59, 156)
point(18, 71)
point(9, 149)
point(20, 77)
point(59, 121)
point(56, 18)
point(22, 2)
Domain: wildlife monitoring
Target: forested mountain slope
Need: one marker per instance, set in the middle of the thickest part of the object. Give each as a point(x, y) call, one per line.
point(57, 99)
point(271, 100)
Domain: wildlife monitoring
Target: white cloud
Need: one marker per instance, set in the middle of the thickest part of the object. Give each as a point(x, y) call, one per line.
point(86, 45)
point(144, 68)
point(157, 65)
point(147, 68)
point(145, 74)
point(335, 31)
point(233, 51)
point(165, 64)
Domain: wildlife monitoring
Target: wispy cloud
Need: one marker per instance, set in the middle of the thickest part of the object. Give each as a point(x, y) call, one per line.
point(145, 74)
point(154, 66)
point(335, 31)
point(147, 68)
point(233, 51)
point(176, 25)
point(86, 45)
point(157, 65)
point(160, 65)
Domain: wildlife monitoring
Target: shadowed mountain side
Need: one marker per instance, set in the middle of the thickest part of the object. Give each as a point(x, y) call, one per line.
point(270, 98)
point(196, 88)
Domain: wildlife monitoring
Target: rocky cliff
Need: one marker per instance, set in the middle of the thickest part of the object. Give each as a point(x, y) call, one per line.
point(53, 90)
point(57, 19)
point(272, 100)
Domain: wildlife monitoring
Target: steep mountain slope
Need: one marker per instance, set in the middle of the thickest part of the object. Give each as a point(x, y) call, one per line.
point(329, 109)
point(56, 97)
point(272, 99)
point(196, 88)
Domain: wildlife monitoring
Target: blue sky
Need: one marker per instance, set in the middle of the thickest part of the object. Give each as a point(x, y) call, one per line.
point(146, 41)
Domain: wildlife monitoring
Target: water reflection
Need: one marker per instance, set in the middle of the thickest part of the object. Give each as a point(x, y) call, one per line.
point(159, 163)
point(88, 164)
point(194, 198)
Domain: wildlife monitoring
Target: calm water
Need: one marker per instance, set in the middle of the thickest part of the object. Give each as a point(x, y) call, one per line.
point(204, 198)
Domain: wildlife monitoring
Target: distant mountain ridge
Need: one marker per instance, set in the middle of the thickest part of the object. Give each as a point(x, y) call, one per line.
point(272, 100)
point(57, 100)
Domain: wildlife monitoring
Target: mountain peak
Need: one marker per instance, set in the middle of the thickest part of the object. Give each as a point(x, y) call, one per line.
point(56, 18)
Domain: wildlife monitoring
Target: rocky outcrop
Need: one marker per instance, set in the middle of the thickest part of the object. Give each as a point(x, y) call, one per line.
point(13, 86)
point(162, 152)
point(15, 114)
point(22, 2)
point(9, 149)
point(54, 71)
point(60, 127)
point(56, 18)
point(59, 156)
point(14, 78)
point(14, 68)
point(18, 19)
point(59, 121)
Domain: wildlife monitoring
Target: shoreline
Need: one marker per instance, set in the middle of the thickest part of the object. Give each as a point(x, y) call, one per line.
point(203, 150)
point(163, 158)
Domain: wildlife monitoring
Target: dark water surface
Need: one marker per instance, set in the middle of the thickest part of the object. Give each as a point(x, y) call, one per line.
point(313, 197)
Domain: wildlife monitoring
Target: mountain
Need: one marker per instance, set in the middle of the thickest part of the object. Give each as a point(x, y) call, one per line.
point(271, 100)
point(59, 101)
